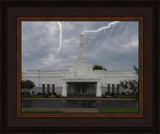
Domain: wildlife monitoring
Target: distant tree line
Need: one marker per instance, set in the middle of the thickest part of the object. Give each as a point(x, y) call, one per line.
point(99, 67)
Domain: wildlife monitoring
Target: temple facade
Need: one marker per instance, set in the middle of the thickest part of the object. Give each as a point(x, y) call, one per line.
point(80, 80)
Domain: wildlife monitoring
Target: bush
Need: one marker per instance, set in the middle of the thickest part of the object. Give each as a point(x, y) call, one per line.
point(103, 95)
point(52, 96)
point(112, 94)
point(106, 93)
point(39, 93)
point(123, 94)
point(47, 95)
point(54, 93)
point(58, 95)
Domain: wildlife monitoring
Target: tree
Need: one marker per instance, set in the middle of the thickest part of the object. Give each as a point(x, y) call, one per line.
point(28, 84)
point(133, 84)
point(98, 67)
point(23, 84)
point(136, 69)
point(124, 84)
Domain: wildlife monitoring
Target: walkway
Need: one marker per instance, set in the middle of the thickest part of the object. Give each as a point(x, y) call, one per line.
point(78, 99)
point(68, 110)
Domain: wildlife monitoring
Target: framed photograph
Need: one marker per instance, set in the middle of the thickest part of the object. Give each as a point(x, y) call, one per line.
point(84, 65)
point(82, 90)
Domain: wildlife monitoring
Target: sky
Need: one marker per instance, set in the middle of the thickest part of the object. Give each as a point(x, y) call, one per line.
point(114, 45)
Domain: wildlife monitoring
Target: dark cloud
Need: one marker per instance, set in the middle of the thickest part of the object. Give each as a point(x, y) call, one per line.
point(115, 48)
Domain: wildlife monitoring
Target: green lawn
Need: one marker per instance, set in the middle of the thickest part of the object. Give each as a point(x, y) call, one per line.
point(118, 110)
point(41, 111)
point(126, 96)
point(33, 96)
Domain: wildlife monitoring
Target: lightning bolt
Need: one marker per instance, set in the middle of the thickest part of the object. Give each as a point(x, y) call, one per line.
point(60, 36)
point(93, 31)
point(102, 28)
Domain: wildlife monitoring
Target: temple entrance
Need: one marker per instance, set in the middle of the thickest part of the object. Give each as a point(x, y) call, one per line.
point(81, 89)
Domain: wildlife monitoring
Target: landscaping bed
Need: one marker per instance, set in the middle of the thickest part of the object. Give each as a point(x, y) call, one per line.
point(41, 96)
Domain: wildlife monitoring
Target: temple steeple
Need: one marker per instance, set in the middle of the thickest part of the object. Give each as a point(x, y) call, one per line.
point(81, 58)
point(81, 68)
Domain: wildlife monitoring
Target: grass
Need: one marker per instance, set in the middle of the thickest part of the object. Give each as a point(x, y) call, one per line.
point(33, 96)
point(41, 111)
point(126, 96)
point(118, 110)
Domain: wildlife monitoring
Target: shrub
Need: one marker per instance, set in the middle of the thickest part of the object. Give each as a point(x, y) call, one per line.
point(52, 96)
point(49, 94)
point(39, 93)
point(112, 94)
point(58, 95)
point(123, 94)
point(103, 95)
point(106, 93)
point(46, 95)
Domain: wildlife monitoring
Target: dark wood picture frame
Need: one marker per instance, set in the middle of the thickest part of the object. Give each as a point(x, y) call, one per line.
point(13, 9)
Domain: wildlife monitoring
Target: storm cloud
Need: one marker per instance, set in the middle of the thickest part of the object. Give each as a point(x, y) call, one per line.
point(115, 48)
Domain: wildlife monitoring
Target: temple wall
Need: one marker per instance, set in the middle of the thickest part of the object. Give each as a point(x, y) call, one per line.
point(57, 77)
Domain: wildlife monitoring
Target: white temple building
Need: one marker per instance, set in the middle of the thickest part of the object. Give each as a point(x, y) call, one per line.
point(80, 80)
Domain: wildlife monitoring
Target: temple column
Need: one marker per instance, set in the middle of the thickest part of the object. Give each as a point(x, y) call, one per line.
point(115, 89)
point(98, 91)
point(64, 90)
point(46, 89)
point(51, 88)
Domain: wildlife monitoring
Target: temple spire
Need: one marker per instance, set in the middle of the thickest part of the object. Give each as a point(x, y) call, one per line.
point(81, 37)
point(81, 58)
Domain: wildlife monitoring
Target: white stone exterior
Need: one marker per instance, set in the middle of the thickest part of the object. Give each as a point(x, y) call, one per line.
point(80, 72)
